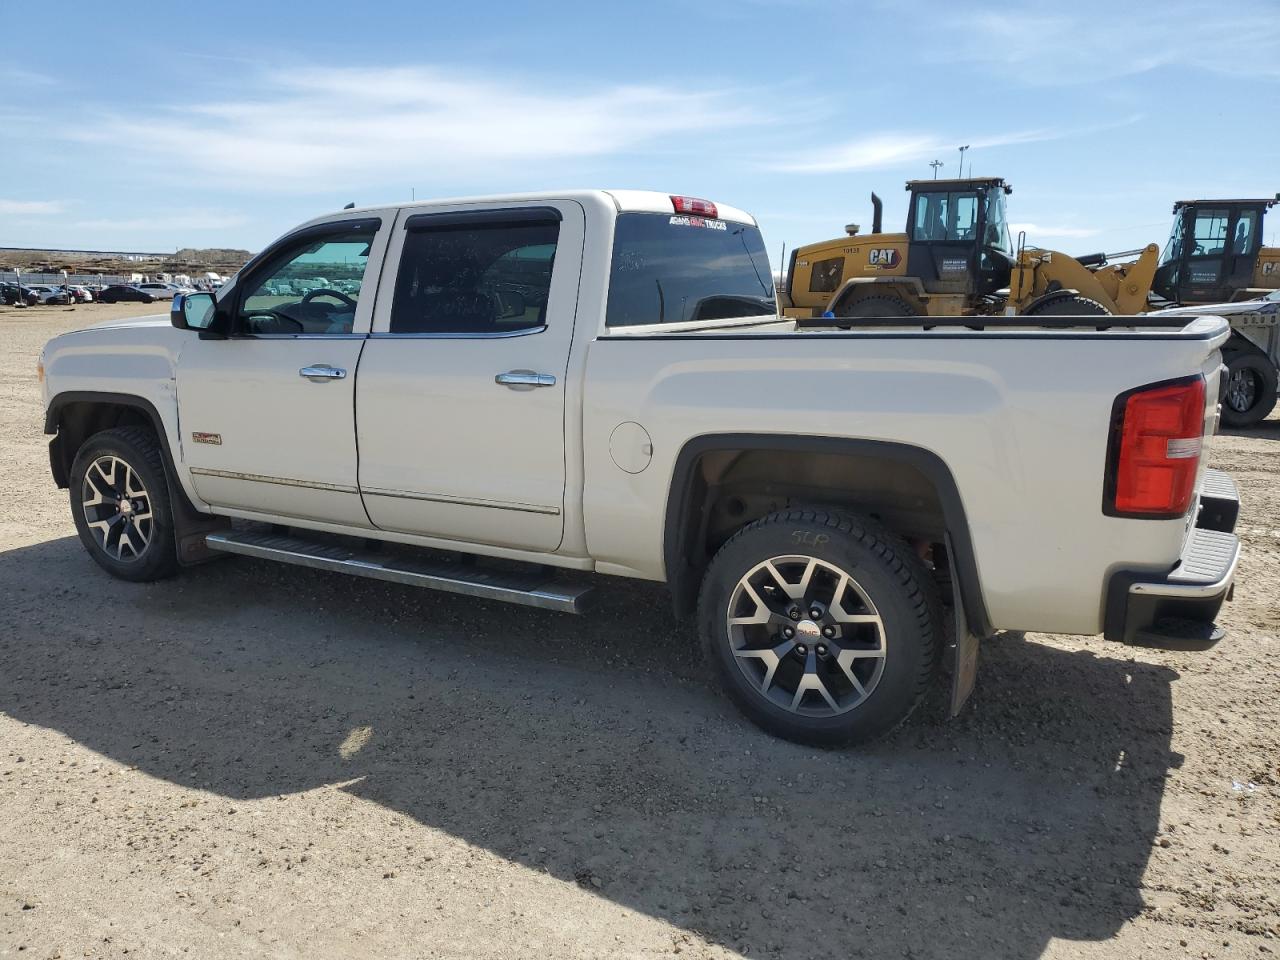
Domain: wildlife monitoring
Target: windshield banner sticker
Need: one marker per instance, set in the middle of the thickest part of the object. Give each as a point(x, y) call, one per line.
point(698, 222)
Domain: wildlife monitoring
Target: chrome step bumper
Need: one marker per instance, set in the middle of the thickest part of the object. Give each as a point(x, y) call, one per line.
point(1177, 610)
point(533, 589)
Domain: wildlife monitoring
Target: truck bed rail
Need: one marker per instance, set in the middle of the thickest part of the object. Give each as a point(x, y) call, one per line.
point(981, 323)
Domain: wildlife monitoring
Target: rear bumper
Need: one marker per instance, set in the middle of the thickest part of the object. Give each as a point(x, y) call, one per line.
point(1177, 611)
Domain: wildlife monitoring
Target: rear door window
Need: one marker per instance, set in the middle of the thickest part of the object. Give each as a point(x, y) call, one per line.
point(483, 277)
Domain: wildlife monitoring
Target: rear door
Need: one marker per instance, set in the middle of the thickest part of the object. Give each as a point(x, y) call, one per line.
point(460, 399)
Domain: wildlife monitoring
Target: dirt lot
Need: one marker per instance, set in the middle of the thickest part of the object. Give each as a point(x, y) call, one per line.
point(252, 760)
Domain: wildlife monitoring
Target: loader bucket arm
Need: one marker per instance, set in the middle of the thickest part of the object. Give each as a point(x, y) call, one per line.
point(1121, 289)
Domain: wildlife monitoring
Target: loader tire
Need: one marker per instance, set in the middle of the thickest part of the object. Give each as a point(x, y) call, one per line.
point(1074, 306)
point(885, 305)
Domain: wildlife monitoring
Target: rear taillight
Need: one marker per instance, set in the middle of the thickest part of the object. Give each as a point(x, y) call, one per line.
point(1156, 435)
point(699, 208)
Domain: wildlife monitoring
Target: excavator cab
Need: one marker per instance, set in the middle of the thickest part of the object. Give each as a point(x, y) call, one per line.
point(958, 235)
point(1213, 251)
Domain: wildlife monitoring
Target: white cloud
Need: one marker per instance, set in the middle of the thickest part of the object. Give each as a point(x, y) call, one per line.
point(316, 129)
point(30, 208)
point(1085, 46)
point(895, 149)
point(179, 221)
point(23, 77)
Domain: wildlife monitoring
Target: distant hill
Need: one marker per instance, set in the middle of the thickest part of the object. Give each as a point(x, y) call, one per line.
point(212, 255)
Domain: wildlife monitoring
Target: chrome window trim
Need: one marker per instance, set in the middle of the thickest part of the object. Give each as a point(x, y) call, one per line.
point(479, 335)
point(299, 336)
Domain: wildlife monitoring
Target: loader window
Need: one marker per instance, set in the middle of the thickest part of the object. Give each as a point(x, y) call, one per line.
point(1210, 233)
point(945, 216)
point(1246, 237)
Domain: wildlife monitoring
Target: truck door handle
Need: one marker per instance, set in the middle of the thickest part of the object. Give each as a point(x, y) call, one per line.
point(321, 372)
point(527, 379)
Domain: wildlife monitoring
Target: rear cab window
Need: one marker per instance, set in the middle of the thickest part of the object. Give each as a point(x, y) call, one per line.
point(670, 268)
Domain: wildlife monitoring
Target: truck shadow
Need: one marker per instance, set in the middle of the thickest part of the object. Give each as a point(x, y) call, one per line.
point(591, 748)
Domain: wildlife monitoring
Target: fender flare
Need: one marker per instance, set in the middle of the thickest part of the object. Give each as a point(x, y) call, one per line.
point(681, 575)
point(189, 524)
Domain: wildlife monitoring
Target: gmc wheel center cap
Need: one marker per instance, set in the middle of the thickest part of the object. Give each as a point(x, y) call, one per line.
point(808, 630)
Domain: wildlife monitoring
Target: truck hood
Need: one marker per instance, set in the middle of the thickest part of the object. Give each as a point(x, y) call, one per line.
point(158, 320)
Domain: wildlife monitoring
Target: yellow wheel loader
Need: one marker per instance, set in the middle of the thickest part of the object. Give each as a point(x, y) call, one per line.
point(956, 258)
point(1215, 253)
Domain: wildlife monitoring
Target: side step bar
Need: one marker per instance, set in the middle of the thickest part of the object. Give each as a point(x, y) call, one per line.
point(533, 589)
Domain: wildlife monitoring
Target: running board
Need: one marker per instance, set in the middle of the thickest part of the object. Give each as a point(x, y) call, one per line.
point(533, 589)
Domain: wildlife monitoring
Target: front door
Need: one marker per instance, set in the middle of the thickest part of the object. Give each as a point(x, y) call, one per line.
point(460, 402)
point(1209, 235)
point(267, 416)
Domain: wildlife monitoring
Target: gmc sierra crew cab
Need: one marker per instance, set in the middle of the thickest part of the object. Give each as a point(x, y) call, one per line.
point(499, 396)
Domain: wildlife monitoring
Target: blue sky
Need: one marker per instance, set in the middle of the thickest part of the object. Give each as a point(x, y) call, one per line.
point(154, 129)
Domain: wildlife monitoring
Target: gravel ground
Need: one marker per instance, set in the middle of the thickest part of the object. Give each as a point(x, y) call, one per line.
point(262, 761)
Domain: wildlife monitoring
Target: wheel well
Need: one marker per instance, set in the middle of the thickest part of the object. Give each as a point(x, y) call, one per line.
point(909, 292)
point(1239, 343)
point(720, 486)
point(76, 421)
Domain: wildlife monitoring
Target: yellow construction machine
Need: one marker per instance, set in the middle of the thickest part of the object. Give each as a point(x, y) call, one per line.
point(956, 258)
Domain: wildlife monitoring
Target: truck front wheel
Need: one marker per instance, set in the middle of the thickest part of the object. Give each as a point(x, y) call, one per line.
point(823, 627)
point(120, 503)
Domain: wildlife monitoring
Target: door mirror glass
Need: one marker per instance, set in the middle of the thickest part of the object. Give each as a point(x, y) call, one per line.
point(192, 311)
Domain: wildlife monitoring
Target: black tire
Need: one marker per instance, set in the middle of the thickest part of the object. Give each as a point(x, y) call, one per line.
point(1072, 306)
point(883, 570)
point(1251, 388)
point(882, 305)
point(143, 547)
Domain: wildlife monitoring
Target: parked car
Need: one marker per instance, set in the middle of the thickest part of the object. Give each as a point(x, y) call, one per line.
point(82, 293)
point(823, 504)
point(123, 293)
point(12, 294)
point(161, 291)
point(50, 294)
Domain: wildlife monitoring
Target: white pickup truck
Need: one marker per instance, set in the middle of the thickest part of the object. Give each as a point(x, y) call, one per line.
point(598, 382)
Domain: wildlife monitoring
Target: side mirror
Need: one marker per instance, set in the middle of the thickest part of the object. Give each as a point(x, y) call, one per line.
point(193, 311)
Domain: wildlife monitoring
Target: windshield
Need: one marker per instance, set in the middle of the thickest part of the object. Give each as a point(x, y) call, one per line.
point(947, 216)
point(668, 268)
point(997, 229)
point(1173, 249)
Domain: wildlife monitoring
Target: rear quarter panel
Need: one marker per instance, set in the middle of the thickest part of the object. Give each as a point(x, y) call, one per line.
point(1022, 420)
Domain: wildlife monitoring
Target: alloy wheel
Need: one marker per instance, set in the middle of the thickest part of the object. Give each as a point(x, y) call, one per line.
point(1242, 390)
point(806, 634)
point(117, 508)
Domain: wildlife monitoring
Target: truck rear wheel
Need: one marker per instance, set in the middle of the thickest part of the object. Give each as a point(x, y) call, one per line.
point(1251, 388)
point(120, 504)
point(823, 627)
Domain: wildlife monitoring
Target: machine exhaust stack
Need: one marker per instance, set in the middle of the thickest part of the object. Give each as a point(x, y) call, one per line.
point(878, 216)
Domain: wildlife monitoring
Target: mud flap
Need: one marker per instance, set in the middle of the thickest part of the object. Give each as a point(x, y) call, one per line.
point(964, 651)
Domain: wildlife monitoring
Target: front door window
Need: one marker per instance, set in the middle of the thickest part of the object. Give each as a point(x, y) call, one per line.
point(312, 287)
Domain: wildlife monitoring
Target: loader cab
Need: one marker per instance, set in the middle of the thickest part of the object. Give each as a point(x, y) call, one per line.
point(1212, 250)
point(958, 235)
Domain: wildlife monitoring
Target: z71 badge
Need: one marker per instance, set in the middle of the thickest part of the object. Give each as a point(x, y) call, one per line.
point(213, 438)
